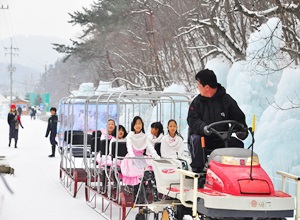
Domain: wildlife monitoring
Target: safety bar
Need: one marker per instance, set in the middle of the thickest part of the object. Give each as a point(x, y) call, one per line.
point(195, 176)
point(285, 175)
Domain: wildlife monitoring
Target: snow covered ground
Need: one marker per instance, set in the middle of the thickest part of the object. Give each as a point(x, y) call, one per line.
point(38, 193)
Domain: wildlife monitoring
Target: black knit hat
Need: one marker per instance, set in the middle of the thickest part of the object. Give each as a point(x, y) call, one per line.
point(207, 77)
point(52, 109)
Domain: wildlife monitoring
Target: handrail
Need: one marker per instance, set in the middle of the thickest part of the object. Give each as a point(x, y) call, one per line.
point(195, 176)
point(285, 175)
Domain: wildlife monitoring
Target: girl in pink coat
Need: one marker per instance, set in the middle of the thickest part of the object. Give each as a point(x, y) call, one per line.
point(137, 142)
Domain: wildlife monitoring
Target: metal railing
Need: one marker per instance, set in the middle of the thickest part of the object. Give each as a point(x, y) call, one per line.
point(284, 176)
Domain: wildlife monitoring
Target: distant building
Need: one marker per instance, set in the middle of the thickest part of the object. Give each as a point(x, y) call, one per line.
point(24, 104)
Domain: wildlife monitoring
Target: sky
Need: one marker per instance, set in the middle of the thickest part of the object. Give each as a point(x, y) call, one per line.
point(36, 17)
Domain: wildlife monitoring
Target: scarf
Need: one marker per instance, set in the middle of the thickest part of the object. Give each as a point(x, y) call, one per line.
point(171, 147)
point(104, 134)
point(138, 141)
point(153, 139)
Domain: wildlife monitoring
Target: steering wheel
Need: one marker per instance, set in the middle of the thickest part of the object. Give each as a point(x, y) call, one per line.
point(233, 127)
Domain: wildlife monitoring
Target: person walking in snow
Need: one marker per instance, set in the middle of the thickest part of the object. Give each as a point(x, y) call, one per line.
point(52, 130)
point(20, 110)
point(32, 113)
point(13, 120)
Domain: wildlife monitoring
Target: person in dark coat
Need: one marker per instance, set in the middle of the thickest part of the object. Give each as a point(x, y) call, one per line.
point(32, 113)
point(52, 130)
point(213, 104)
point(13, 120)
point(20, 110)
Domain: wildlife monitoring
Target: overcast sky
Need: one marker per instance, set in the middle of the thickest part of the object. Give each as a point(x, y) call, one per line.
point(39, 17)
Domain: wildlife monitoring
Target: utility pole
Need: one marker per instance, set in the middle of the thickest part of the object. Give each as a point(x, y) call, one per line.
point(11, 68)
point(45, 78)
point(2, 7)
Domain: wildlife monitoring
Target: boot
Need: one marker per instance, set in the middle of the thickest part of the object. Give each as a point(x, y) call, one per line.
point(9, 142)
point(16, 144)
point(53, 151)
point(154, 187)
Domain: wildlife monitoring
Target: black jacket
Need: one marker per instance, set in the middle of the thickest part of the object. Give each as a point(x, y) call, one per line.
point(52, 126)
point(204, 111)
point(11, 119)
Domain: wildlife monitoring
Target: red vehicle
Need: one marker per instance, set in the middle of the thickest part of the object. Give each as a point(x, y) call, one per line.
point(236, 186)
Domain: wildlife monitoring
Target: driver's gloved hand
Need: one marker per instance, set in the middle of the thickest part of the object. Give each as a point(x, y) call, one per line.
point(206, 131)
point(242, 134)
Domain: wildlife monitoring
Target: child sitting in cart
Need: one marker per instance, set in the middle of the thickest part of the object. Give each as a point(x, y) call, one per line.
point(157, 132)
point(172, 143)
point(122, 133)
point(137, 143)
point(108, 133)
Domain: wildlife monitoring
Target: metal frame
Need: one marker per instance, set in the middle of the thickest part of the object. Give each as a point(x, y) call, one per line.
point(284, 176)
point(128, 104)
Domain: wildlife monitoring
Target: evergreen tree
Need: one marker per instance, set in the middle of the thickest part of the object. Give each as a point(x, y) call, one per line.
point(27, 96)
point(38, 100)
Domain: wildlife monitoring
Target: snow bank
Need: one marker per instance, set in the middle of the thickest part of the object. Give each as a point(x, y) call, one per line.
point(107, 87)
point(85, 89)
point(278, 132)
point(220, 66)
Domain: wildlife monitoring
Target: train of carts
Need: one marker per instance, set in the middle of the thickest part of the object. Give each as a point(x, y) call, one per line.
point(234, 183)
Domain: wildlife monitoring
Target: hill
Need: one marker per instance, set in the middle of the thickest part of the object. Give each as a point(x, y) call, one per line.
point(30, 55)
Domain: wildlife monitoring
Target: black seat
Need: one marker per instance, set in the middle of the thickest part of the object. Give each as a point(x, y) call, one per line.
point(101, 147)
point(98, 133)
point(89, 139)
point(95, 140)
point(157, 148)
point(119, 151)
point(75, 139)
point(69, 137)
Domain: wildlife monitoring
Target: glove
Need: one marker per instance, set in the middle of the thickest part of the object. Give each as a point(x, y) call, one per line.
point(46, 136)
point(242, 134)
point(22, 126)
point(206, 131)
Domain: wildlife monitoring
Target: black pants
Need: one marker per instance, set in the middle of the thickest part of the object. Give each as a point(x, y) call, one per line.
point(52, 139)
point(199, 154)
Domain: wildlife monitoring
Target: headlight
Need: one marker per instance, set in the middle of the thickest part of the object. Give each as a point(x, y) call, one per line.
point(239, 161)
point(255, 161)
point(229, 160)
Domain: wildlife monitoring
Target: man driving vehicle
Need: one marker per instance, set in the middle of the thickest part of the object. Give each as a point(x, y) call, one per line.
point(213, 104)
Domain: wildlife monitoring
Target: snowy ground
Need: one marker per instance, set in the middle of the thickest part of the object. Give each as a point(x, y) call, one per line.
point(38, 193)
